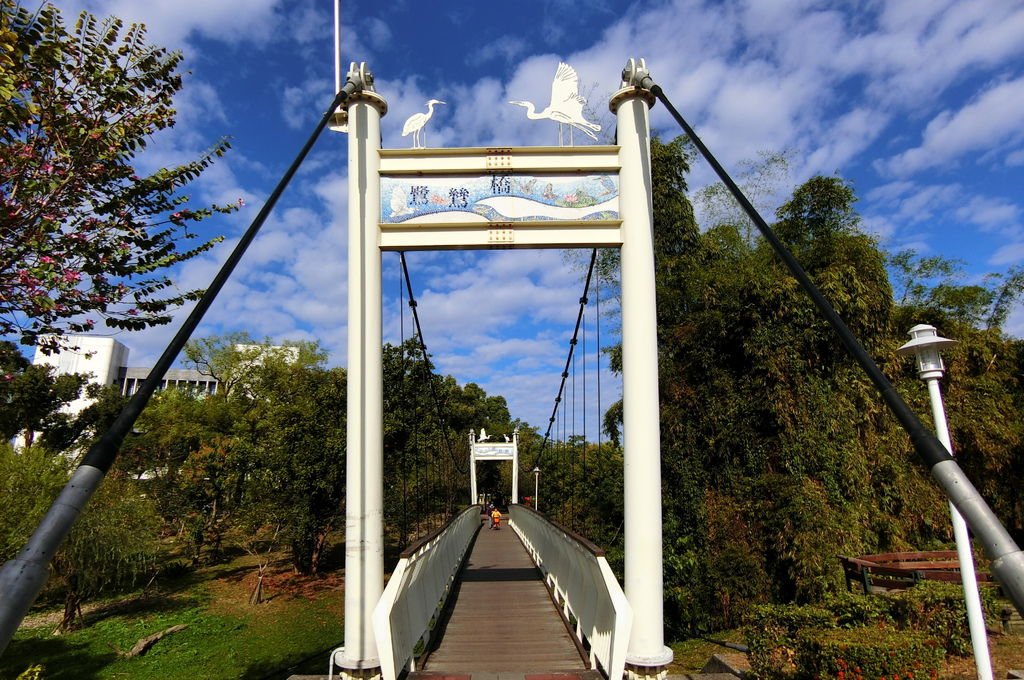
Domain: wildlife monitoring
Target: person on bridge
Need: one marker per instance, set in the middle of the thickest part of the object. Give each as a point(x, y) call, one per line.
point(496, 519)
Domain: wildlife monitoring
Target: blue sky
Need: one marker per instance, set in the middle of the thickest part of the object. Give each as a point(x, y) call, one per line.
point(918, 102)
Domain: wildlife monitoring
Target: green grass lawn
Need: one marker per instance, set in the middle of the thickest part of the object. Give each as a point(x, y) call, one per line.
point(226, 637)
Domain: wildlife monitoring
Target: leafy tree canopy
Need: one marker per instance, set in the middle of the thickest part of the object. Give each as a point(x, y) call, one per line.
point(33, 396)
point(234, 359)
point(83, 235)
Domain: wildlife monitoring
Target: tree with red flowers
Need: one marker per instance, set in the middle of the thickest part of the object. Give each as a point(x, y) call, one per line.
point(83, 236)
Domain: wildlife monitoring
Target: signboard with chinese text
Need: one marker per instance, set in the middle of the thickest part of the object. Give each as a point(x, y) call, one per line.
point(500, 451)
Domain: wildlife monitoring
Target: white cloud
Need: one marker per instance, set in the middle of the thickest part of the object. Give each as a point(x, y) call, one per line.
point(918, 50)
point(378, 33)
point(992, 119)
point(1011, 253)
point(302, 105)
point(1015, 158)
point(173, 22)
point(506, 48)
point(829, 86)
point(844, 139)
point(990, 213)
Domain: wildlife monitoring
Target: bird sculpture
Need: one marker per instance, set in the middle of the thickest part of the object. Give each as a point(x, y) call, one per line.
point(566, 106)
point(483, 435)
point(415, 123)
point(507, 440)
point(400, 202)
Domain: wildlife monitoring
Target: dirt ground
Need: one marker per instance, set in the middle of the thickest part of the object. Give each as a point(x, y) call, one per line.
point(1007, 652)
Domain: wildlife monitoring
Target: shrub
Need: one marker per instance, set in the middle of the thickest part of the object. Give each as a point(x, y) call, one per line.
point(853, 609)
point(938, 609)
point(772, 633)
point(868, 653)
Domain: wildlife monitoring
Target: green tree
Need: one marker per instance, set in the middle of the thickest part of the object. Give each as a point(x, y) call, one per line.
point(111, 546)
point(183, 447)
point(113, 543)
point(81, 233)
point(760, 180)
point(776, 453)
point(234, 360)
point(29, 481)
point(929, 287)
point(983, 390)
point(293, 447)
point(33, 397)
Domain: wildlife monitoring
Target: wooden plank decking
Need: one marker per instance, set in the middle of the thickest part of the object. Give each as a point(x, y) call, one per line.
point(503, 620)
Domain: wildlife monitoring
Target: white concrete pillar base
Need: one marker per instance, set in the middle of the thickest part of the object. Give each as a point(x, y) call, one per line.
point(355, 669)
point(360, 674)
point(648, 667)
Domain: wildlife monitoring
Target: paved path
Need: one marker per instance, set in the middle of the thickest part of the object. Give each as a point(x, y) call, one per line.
point(503, 624)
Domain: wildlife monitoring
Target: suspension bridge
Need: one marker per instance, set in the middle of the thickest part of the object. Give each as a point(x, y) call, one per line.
point(530, 599)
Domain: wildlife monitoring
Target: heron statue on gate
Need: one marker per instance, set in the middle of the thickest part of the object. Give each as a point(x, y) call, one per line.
point(566, 107)
point(415, 123)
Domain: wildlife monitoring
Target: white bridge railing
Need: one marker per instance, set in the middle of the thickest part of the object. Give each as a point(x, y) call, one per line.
point(582, 584)
point(417, 591)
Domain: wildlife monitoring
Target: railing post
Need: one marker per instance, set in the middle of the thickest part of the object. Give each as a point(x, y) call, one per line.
point(647, 656)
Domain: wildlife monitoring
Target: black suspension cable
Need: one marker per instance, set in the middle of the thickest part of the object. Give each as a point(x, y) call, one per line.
point(568, 359)
point(583, 474)
point(930, 449)
point(572, 452)
point(414, 444)
point(1008, 559)
point(24, 576)
point(405, 444)
point(431, 382)
point(102, 454)
point(597, 323)
point(562, 455)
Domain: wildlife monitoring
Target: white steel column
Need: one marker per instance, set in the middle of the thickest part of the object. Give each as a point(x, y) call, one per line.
point(364, 506)
point(647, 655)
point(515, 469)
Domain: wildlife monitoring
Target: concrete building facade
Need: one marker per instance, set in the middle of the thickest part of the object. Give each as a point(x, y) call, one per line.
point(105, 361)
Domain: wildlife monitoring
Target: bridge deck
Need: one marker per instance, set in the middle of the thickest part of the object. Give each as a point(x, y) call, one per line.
point(503, 620)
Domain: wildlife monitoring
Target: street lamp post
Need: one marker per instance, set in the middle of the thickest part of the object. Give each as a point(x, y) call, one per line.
point(924, 345)
point(536, 486)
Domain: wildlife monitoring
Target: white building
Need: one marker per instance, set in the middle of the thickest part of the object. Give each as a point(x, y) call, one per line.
point(100, 358)
point(105, 361)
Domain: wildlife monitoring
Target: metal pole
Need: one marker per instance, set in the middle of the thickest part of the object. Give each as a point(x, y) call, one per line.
point(364, 504)
point(647, 655)
point(975, 616)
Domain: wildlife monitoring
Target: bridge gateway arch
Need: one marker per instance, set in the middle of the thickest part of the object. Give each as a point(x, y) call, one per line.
point(391, 192)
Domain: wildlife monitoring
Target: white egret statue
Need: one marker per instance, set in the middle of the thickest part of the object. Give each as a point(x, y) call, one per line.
point(415, 123)
point(483, 435)
point(566, 106)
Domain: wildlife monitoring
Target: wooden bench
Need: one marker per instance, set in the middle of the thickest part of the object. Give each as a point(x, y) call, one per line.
point(900, 570)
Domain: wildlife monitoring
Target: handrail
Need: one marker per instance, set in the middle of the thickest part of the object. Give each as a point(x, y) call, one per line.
point(426, 538)
point(591, 547)
point(417, 591)
point(582, 583)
